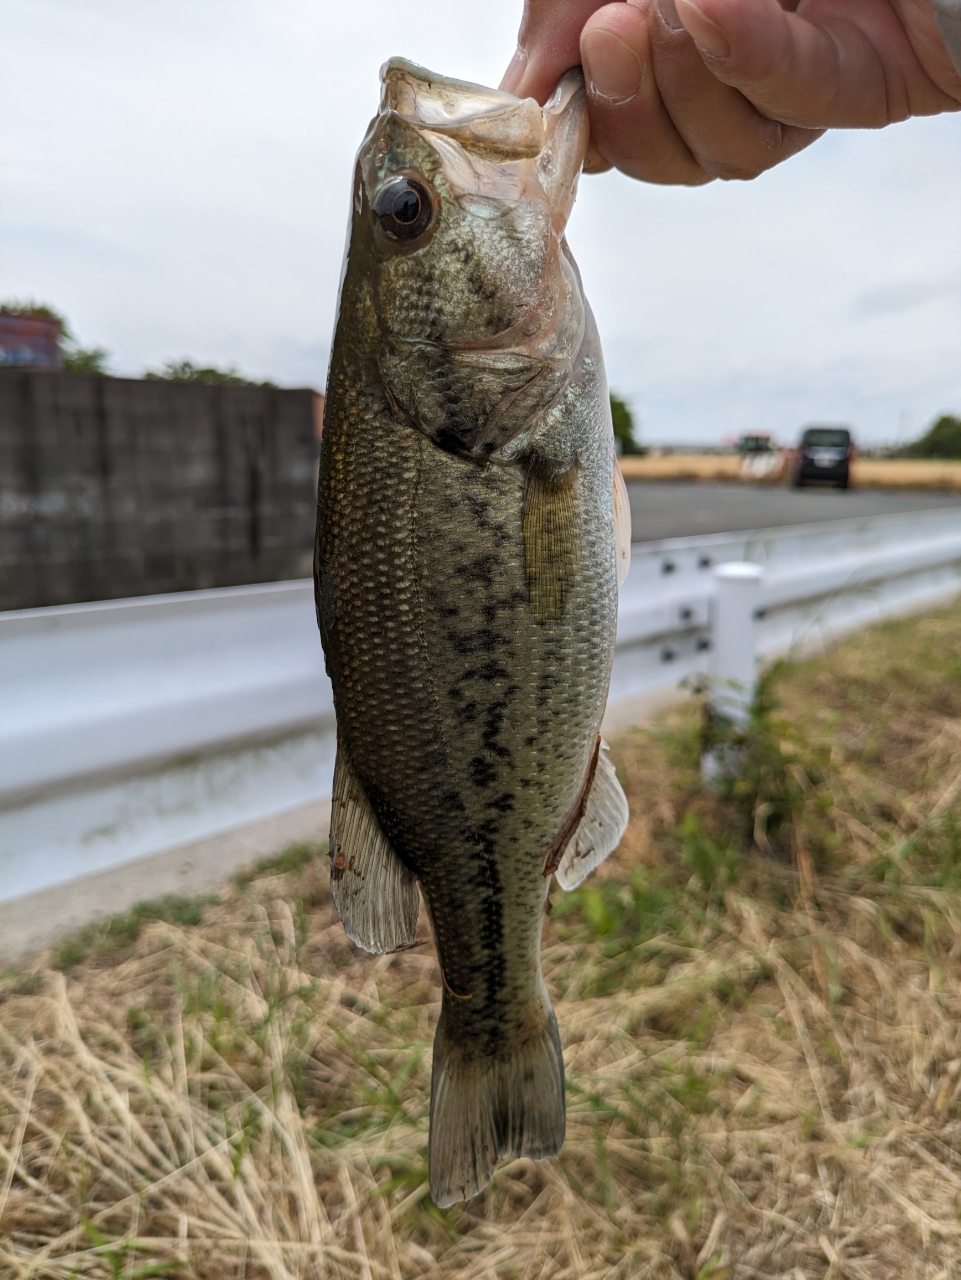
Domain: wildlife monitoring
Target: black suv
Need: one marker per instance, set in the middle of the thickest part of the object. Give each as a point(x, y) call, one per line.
point(824, 457)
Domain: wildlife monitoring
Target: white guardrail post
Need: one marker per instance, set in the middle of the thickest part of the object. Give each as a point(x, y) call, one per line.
point(736, 603)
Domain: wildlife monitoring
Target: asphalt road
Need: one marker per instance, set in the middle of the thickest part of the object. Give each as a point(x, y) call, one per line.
point(680, 508)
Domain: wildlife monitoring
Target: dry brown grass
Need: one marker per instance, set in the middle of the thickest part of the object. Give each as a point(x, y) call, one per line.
point(760, 1000)
point(867, 473)
point(682, 466)
point(906, 473)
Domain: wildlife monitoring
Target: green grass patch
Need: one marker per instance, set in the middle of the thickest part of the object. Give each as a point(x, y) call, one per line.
point(115, 937)
point(294, 858)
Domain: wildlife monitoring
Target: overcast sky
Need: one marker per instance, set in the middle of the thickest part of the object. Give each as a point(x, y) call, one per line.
point(176, 178)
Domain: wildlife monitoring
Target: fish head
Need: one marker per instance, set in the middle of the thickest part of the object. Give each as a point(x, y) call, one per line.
point(462, 197)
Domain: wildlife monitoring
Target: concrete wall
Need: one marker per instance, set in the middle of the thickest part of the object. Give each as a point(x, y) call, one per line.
point(111, 487)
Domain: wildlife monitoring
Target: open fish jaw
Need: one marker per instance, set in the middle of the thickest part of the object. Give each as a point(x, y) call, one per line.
point(466, 584)
point(497, 128)
point(503, 174)
point(511, 125)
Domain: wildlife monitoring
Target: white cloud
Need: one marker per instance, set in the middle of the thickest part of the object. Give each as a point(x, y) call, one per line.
point(905, 295)
point(176, 178)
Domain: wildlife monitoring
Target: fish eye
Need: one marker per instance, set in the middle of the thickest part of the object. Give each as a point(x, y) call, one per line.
point(403, 209)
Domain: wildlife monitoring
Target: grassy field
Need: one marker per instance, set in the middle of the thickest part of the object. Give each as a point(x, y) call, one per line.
point(906, 473)
point(759, 997)
point(682, 466)
point(867, 473)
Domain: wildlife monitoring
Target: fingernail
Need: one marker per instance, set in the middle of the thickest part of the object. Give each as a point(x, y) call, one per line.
point(667, 12)
point(515, 71)
point(707, 35)
point(613, 69)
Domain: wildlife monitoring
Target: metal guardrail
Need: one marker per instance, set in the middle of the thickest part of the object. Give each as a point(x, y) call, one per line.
point(134, 726)
point(820, 580)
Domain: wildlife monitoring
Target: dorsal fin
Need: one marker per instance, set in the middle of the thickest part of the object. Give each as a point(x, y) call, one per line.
point(374, 893)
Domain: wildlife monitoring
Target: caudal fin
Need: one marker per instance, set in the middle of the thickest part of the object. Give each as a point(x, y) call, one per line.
point(487, 1109)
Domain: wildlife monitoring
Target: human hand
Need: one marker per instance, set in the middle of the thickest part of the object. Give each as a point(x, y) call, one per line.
point(684, 91)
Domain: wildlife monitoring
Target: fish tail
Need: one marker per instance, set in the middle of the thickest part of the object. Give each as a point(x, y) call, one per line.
point(485, 1109)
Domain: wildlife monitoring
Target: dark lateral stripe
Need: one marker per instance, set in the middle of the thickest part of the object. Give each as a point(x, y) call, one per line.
point(555, 850)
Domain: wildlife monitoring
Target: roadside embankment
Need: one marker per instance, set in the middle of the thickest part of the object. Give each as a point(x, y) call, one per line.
point(759, 996)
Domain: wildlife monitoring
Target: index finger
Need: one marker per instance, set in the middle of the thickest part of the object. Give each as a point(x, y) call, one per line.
point(548, 44)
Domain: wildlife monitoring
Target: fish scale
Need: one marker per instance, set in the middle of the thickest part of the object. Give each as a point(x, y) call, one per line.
point(466, 589)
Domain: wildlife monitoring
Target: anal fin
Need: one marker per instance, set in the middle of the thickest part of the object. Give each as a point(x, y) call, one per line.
point(599, 830)
point(374, 893)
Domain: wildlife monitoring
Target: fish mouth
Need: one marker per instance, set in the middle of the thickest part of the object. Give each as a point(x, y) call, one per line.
point(492, 144)
point(486, 154)
point(487, 120)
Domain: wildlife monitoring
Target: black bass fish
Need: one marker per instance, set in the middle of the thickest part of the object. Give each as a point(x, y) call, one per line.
point(467, 573)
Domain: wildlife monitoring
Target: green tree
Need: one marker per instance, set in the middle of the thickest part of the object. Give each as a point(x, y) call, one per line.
point(941, 440)
point(28, 309)
point(624, 426)
point(188, 371)
point(85, 360)
point(76, 359)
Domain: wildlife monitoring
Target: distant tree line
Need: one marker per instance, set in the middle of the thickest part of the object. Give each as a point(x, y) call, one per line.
point(76, 359)
point(941, 440)
point(624, 427)
point(188, 371)
point(79, 359)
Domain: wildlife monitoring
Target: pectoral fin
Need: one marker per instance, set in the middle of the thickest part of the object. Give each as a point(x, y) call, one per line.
point(600, 829)
point(551, 541)
point(374, 893)
point(622, 525)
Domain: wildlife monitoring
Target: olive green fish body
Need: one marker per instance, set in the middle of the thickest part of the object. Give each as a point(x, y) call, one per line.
point(467, 592)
